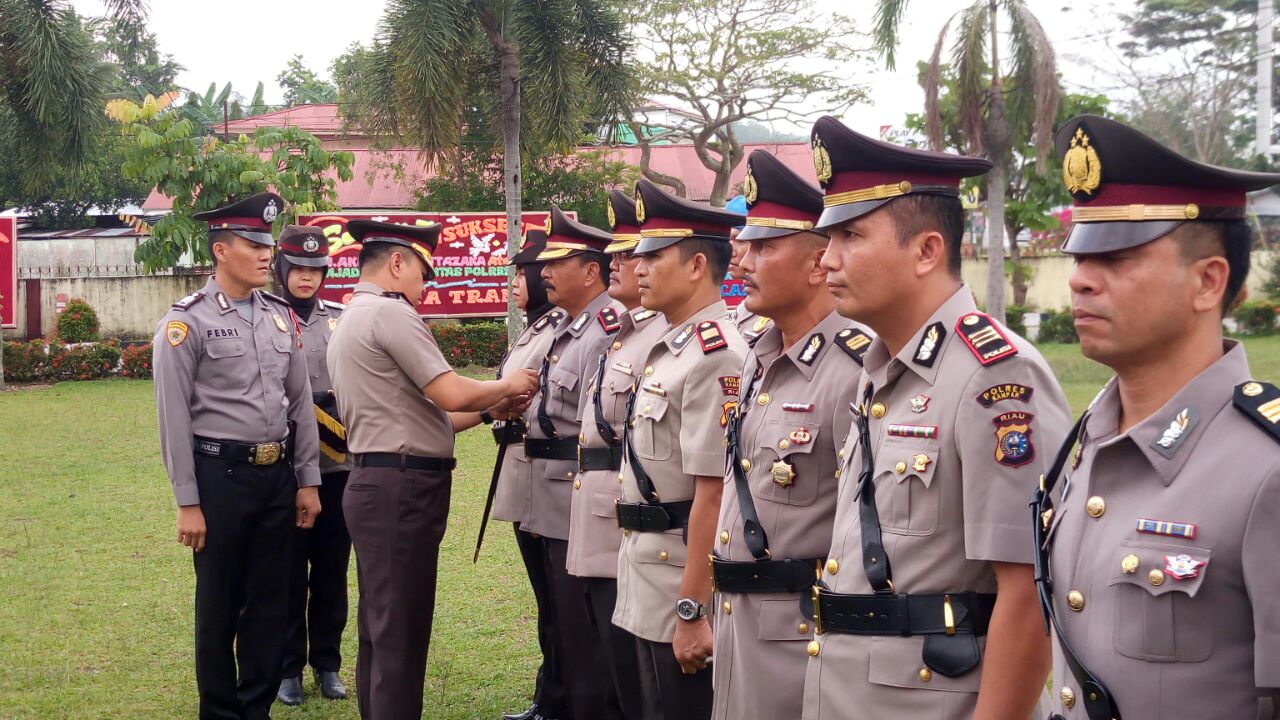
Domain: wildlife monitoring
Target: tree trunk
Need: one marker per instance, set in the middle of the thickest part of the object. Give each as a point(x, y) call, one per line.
point(509, 88)
point(1018, 278)
point(995, 241)
point(676, 184)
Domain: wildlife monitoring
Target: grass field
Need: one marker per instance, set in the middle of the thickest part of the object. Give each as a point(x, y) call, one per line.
point(95, 595)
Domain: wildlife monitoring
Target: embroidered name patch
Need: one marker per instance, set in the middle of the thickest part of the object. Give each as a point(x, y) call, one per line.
point(730, 385)
point(1002, 392)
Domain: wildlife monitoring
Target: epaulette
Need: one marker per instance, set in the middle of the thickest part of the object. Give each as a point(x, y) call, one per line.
point(333, 305)
point(554, 317)
point(1260, 402)
point(854, 343)
point(608, 318)
point(541, 323)
point(277, 298)
point(710, 337)
point(189, 300)
point(644, 315)
point(984, 339)
point(580, 323)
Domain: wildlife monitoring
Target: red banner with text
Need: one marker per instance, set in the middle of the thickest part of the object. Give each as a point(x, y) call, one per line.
point(9, 271)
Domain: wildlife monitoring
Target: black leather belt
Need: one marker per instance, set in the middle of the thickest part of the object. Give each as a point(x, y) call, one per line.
point(764, 576)
point(407, 462)
point(514, 435)
point(900, 614)
point(605, 458)
point(654, 517)
point(551, 448)
point(267, 453)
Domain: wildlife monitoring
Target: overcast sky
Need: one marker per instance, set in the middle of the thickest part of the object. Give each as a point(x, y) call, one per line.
point(244, 41)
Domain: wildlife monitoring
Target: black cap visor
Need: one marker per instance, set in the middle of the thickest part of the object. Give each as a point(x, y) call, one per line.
point(1092, 238)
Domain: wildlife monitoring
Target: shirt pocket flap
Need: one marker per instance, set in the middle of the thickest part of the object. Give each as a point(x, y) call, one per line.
point(897, 662)
point(660, 548)
point(603, 504)
point(563, 378)
point(651, 406)
point(1160, 568)
point(783, 620)
point(790, 439)
point(906, 458)
point(224, 348)
point(283, 343)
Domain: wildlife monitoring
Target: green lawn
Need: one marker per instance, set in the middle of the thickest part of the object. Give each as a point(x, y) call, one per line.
point(95, 595)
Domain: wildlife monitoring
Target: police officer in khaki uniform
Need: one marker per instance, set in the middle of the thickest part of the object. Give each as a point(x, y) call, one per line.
point(954, 417)
point(750, 325)
point(318, 585)
point(674, 459)
point(515, 477)
point(402, 404)
point(1162, 525)
point(238, 439)
point(593, 526)
point(780, 492)
point(576, 275)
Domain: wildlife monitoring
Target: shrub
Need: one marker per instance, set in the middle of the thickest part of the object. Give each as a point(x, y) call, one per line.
point(480, 343)
point(1255, 317)
point(1058, 327)
point(84, 362)
point(135, 361)
point(1014, 320)
point(78, 323)
point(25, 362)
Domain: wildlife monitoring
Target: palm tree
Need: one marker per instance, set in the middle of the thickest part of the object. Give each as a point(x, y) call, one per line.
point(53, 86)
point(443, 69)
point(1002, 105)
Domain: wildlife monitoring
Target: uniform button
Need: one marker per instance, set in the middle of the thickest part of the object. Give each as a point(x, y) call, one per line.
point(813, 648)
point(626, 533)
point(746, 465)
point(783, 445)
point(878, 410)
point(648, 407)
point(840, 453)
point(1095, 506)
point(577, 484)
point(900, 468)
point(1129, 564)
point(1068, 697)
point(763, 399)
point(555, 358)
point(728, 609)
point(803, 628)
point(724, 537)
point(648, 371)
point(925, 674)
point(616, 345)
point(832, 566)
point(663, 556)
point(1075, 600)
point(1156, 577)
point(569, 474)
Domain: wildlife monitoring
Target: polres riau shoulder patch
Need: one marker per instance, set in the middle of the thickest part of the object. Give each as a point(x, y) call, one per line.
point(986, 341)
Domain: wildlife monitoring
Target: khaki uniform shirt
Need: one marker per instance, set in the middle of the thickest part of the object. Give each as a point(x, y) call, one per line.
point(381, 355)
point(682, 407)
point(958, 448)
point(573, 356)
point(1178, 621)
point(222, 377)
point(515, 480)
point(593, 526)
point(315, 345)
point(750, 325)
point(795, 417)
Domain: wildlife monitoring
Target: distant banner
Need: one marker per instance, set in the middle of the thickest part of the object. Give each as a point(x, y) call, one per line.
point(9, 272)
point(470, 260)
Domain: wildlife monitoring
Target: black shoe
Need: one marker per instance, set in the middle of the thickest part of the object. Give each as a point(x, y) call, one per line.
point(330, 685)
point(290, 692)
point(530, 714)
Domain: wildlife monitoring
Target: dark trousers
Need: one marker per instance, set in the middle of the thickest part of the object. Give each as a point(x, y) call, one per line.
point(549, 691)
point(588, 692)
point(617, 648)
point(396, 519)
point(669, 694)
point(318, 585)
point(242, 585)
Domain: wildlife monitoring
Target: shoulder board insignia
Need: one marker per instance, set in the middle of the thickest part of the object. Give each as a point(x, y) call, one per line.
point(812, 348)
point(682, 339)
point(189, 300)
point(541, 323)
point(927, 350)
point(1260, 402)
point(223, 303)
point(581, 322)
point(608, 318)
point(333, 305)
point(854, 343)
point(760, 324)
point(554, 317)
point(984, 339)
point(644, 315)
point(276, 298)
point(710, 337)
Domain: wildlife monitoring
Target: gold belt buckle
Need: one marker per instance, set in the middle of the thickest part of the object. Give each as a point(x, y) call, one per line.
point(266, 453)
point(817, 609)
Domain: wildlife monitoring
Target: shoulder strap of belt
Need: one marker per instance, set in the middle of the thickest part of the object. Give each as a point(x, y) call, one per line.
point(1097, 700)
point(875, 561)
point(643, 482)
point(602, 426)
point(544, 420)
point(753, 533)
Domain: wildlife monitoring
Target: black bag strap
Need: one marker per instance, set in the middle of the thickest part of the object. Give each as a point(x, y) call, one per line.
point(602, 426)
point(753, 533)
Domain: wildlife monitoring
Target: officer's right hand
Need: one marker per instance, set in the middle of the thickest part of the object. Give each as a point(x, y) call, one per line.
point(191, 529)
point(522, 382)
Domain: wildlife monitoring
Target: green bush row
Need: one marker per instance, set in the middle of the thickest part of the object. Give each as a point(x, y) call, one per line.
point(41, 361)
point(471, 343)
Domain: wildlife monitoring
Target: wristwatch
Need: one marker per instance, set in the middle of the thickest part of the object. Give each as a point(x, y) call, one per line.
point(688, 609)
point(486, 418)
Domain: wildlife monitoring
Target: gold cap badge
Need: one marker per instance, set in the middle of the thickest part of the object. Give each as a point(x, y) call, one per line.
point(749, 188)
point(821, 160)
point(1081, 167)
